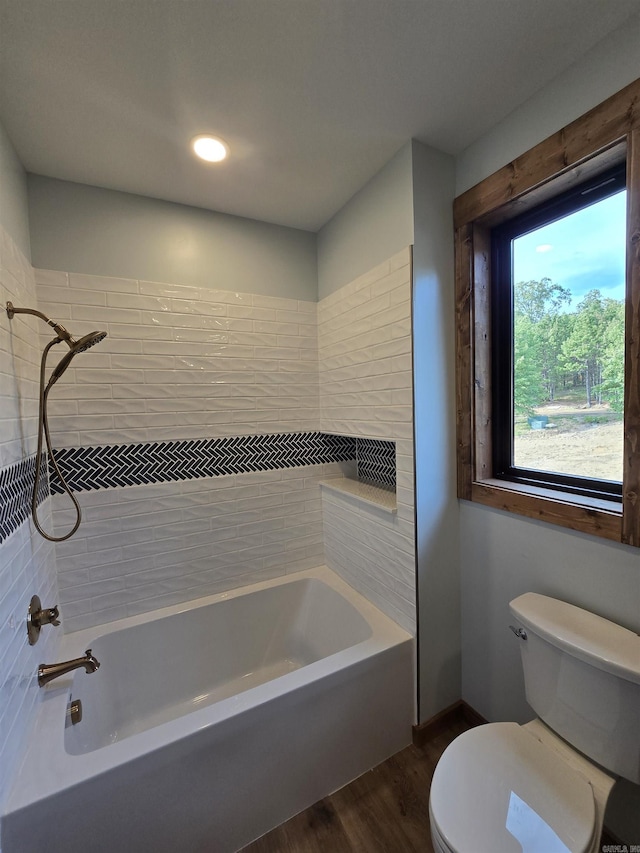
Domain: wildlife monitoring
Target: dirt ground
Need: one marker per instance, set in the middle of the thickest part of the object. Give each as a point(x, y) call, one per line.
point(592, 450)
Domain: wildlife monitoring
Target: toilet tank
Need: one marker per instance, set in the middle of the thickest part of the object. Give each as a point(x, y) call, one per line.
point(582, 678)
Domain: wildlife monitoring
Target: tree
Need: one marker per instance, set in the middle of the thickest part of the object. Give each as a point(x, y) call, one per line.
point(551, 344)
point(539, 329)
point(582, 349)
point(528, 389)
point(612, 383)
point(540, 299)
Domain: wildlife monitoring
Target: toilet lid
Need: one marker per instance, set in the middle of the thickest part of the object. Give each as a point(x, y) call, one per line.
point(497, 789)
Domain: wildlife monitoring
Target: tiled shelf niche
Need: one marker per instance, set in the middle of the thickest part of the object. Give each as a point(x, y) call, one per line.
point(383, 498)
point(376, 475)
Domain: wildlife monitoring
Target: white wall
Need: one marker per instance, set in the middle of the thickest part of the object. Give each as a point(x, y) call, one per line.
point(503, 555)
point(27, 564)
point(181, 363)
point(364, 346)
point(82, 229)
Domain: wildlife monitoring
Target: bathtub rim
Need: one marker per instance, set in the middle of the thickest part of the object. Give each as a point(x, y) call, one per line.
point(59, 770)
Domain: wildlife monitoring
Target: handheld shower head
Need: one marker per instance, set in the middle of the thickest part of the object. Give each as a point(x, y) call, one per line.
point(63, 335)
point(75, 347)
point(87, 341)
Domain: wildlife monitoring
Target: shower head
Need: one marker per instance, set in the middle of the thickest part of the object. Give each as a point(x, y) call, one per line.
point(63, 335)
point(87, 341)
point(75, 347)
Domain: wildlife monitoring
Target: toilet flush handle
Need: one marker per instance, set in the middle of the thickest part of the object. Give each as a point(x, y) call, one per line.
point(519, 632)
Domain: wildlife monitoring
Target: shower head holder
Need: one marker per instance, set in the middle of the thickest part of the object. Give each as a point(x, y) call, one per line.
point(58, 328)
point(75, 346)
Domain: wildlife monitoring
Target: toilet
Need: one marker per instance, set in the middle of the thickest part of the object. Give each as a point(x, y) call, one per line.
point(543, 787)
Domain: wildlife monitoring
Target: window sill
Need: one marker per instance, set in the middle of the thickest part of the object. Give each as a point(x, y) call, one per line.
point(598, 517)
point(363, 493)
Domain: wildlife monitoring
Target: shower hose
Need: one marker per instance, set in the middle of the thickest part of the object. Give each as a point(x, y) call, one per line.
point(43, 429)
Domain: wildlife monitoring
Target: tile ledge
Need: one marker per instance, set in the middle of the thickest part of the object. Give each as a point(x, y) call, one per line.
point(365, 492)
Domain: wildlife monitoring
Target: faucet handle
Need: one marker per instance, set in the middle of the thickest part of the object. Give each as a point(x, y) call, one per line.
point(91, 663)
point(50, 616)
point(37, 617)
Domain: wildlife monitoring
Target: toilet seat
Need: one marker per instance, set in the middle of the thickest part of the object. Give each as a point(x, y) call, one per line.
point(498, 789)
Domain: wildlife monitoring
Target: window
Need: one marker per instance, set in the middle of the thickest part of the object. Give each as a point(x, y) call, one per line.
point(558, 294)
point(529, 337)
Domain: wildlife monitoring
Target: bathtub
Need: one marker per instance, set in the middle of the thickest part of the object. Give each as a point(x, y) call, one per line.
point(212, 722)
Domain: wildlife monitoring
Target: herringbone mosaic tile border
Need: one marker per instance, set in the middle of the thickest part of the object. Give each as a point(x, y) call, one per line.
point(86, 468)
point(16, 487)
point(89, 468)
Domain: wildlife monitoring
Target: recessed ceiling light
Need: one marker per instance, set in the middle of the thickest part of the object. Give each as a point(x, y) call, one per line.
point(544, 247)
point(209, 148)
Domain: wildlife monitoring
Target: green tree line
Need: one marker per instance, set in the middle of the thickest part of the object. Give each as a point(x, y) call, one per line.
point(556, 348)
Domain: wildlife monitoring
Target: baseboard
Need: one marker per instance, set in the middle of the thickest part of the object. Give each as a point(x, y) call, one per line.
point(460, 711)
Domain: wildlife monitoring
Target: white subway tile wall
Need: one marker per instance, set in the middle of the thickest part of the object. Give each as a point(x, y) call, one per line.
point(150, 546)
point(366, 390)
point(364, 352)
point(27, 563)
point(182, 363)
point(179, 362)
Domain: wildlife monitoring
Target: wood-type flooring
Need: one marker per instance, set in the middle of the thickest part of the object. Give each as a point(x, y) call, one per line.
point(384, 811)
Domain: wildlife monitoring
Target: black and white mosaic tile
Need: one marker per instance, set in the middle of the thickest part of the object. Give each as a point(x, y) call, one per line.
point(86, 468)
point(89, 468)
point(376, 461)
point(16, 488)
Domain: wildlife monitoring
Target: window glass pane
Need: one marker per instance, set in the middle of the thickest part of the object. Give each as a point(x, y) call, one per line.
point(568, 374)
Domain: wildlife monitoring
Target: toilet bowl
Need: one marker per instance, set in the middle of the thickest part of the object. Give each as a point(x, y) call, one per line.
point(505, 788)
point(509, 788)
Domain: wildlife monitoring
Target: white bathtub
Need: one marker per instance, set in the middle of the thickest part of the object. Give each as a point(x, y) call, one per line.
point(210, 723)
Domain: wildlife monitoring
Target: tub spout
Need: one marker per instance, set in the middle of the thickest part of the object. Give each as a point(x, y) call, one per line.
point(48, 671)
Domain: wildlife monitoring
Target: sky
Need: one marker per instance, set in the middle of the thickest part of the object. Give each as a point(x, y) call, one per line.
point(583, 251)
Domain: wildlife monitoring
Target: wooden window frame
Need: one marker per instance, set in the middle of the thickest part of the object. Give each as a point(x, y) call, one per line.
point(604, 136)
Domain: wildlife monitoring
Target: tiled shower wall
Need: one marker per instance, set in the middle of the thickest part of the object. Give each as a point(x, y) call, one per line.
point(366, 390)
point(27, 564)
point(183, 363)
point(178, 363)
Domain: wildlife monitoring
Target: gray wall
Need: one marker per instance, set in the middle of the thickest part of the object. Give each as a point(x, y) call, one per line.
point(375, 224)
point(502, 555)
point(96, 231)
point(434, 379)
point(14, 212)
point(610, 66)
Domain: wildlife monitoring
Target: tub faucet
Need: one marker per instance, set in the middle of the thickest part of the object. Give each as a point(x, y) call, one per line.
point(48, 671)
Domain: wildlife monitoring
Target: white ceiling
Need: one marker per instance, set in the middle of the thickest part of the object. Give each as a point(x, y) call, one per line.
point(313, 96)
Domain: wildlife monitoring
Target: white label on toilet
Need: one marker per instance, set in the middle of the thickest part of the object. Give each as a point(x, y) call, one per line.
point(534, 834)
